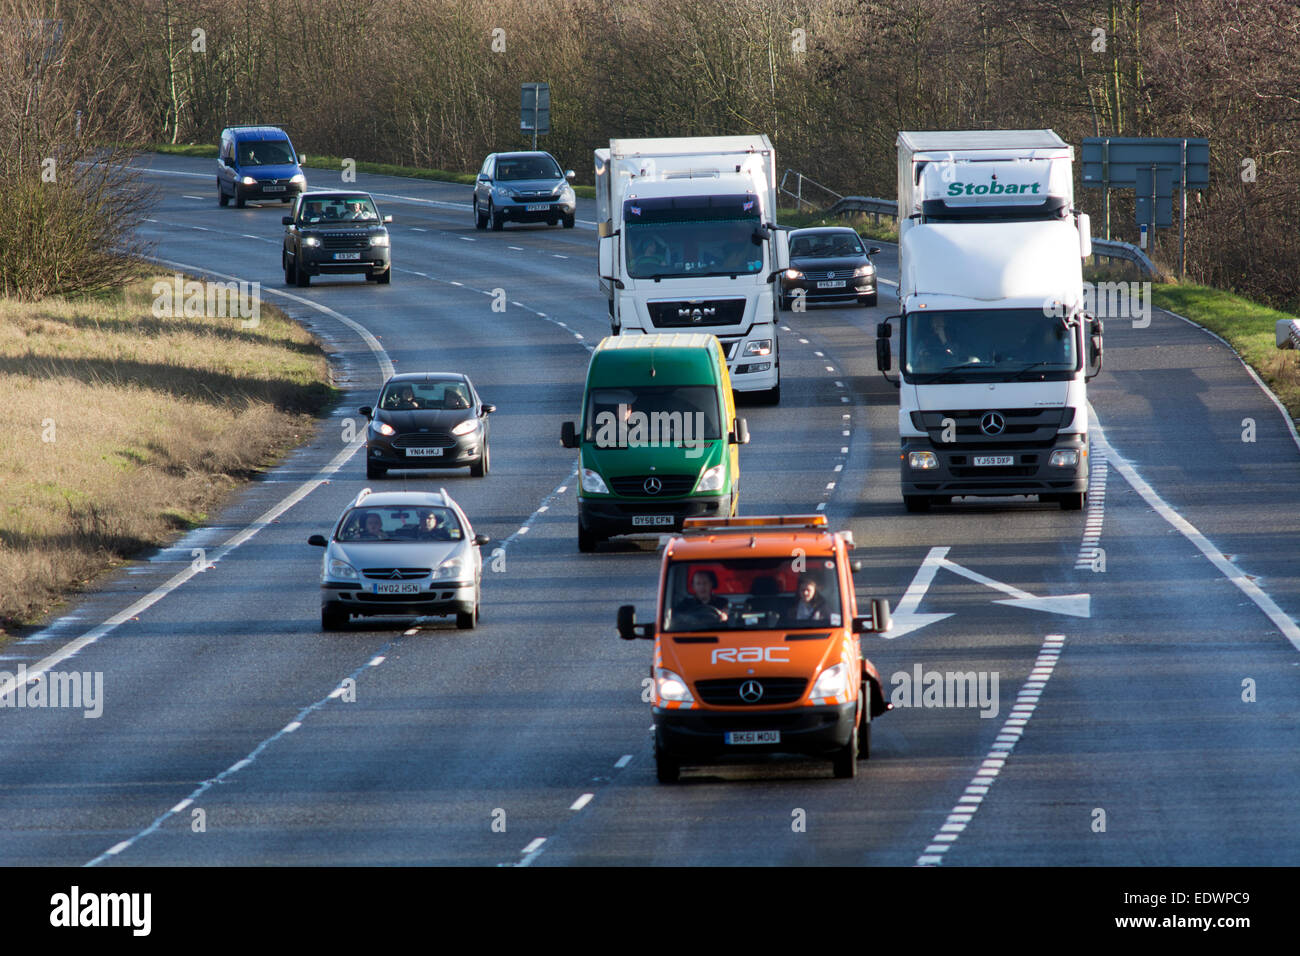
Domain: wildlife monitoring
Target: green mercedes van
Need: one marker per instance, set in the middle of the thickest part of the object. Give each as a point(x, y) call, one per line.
point(659, 436)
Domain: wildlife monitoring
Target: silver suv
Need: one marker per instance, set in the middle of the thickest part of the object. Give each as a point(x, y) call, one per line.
point(404, 553)
point(523, 187)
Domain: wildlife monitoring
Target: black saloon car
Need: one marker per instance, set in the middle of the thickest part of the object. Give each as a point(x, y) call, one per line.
point(829, 265)
point(428, 420)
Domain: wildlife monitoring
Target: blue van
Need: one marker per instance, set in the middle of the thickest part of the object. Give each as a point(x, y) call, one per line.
point(257, 162)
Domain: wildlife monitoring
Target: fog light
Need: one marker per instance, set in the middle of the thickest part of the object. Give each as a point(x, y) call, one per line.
point(1064, 458)
point(922, 460)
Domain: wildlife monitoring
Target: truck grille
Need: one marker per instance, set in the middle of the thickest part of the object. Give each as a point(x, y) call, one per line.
point(1020, 426)
point(634, 486)
point(775, 690)
point(696, 313)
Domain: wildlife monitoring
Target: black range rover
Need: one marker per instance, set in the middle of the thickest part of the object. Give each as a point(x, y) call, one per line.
point(332, 233)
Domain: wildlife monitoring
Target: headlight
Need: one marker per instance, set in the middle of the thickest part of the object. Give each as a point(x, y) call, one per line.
point(341, 569)
point(713, 479)
point(299, 180)
point(793, 274)
point(383, 428)
point(593, 483)
point(465, 427)
point(506, 191)
point(1064, 458)
point(832, 681)
point(922, 460)
point(379, 240)
point(866, 270)
point(311, 241)
point(671, 687)
point(248, 180)
point(759, 347)
point(453, 569)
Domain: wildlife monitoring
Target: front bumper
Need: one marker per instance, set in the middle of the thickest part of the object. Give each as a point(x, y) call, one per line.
point(375, 260)
point(1030, 474)
point(260, 190)
point(613, 516)
point(701, 732)
point(517, 210)
point(467, 450)
point(449, 597)
point(854, 290)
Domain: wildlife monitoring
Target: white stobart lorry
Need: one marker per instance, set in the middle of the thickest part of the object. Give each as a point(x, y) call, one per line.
point(688, 241)
point(994, 344)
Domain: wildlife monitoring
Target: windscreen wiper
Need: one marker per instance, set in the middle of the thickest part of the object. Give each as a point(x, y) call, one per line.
point(944, 373)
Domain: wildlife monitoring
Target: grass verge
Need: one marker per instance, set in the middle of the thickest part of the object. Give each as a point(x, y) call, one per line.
point(128, 427)
point(335, 163)
point(886, 230)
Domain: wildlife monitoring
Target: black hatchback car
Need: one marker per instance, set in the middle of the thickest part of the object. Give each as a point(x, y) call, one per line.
point(332, 233)
point(523, 187)
point(830, 266)
point(428, 420)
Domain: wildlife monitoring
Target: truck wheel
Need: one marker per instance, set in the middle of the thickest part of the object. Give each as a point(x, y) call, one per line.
point(916, 504)
point(1073, 501)
point(845, 760)
point(332, 619)
point(771, 396)
point(587, 541)
point(864, 724)
point(667, 769)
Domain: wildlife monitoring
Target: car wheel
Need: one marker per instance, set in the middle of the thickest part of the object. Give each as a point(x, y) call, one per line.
point(239, 200)
point(667, 768)
point(587, 540)
point(845, 760)
point(375, 471)
point(916, 504)
point(480, 218)
point(869, 300)
point(332, 619)
point(385, 277)
point(467, 621)
point(569, 222)
point(498, 220)
point(864, 725)
point(290, 272)
point(300, 277)
point(1073, 501)
point(481, 467)
point(222, 199)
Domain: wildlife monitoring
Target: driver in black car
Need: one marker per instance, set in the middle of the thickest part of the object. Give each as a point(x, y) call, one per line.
point(702, 602)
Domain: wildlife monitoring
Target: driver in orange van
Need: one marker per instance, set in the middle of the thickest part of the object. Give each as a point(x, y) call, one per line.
point(703, 584)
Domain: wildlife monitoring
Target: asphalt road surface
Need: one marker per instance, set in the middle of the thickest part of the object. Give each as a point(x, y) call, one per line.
point(1147, 693)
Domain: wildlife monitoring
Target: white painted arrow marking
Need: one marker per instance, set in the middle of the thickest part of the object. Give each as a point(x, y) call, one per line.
point(907, 618)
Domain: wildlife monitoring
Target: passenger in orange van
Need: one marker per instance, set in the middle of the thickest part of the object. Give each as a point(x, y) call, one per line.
point(810, 605)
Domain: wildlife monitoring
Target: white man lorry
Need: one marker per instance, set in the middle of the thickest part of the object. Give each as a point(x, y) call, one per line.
point(994, 343)
point(688, 242)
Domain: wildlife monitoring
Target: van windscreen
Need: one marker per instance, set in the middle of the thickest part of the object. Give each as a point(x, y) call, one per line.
point(266, 152)
point(649, 416)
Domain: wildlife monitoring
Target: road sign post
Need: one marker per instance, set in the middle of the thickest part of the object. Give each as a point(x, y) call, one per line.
point(535, 109)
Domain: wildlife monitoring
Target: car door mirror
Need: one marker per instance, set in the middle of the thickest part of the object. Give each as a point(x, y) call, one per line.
point(740, 436)
point(568, 174)
point(388, 218)
point(287, 220)
point(366, 410)
point(318, 540)
point(569, 435)
point(482, 539)
point(489, 409)
point(871, 251)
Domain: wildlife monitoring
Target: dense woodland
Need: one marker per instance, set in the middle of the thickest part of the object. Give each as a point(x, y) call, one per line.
point(436, 83)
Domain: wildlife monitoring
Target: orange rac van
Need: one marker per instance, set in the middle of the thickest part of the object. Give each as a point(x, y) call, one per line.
point(757, 645)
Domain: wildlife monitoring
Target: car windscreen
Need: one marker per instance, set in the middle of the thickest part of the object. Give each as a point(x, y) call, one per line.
point(988, 345)
point(751, 594)
point(266, 152)
point(513, 169)
point(825, 246)
point(424, 396)
point(691, 236)
point(399, 523)
point(338, 209)
point(652, 416)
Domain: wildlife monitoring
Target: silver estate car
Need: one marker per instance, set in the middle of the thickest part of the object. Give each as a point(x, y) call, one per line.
point(403, 553)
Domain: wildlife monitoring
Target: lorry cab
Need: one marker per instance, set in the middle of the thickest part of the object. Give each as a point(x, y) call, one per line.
point(756, 645)
point(659, 438)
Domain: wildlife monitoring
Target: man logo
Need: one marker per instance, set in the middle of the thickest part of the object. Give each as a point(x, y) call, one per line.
point(652, 485)
point(751, 692)
point(993, 424)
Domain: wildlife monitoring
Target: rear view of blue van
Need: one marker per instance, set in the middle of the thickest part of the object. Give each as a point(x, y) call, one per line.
point(257, 162)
